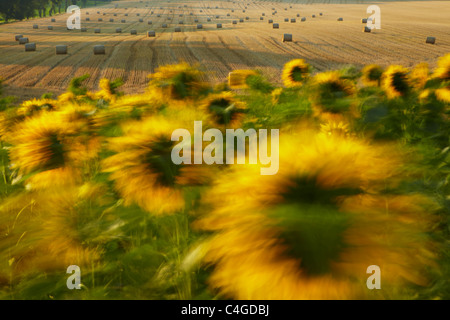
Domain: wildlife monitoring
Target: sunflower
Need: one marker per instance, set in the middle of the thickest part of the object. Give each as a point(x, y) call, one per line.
point(237, 79)
point(443, 94)
point(224, 109)
point(142, 168)
point(419, 75)
point(30, 107)
point(335, 128)
point(443, 70)
point(395, 81)
point(332, 95)
point(371, 75)
point(49, 148)
point(311, 231)
point(179, 81)
point(295, 72)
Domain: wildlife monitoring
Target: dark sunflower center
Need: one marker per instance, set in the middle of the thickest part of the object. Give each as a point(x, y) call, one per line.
point(56, 153)
point(297, 74)
point(181, 85)
point(399, 83)
point(223, 109)
point(159, 161)
point(375, 74)
point(313, 227)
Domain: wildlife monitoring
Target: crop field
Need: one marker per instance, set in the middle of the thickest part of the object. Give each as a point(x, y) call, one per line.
point(323, 42)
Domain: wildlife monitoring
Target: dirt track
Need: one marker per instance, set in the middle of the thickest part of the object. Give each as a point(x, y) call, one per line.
point(322, 41)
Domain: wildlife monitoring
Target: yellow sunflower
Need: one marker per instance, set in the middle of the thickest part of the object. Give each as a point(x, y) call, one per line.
point(49, 148)
point(237, 79)
point(420, 75)
point(295, 72)
point(311, 230)
point(443, 69)
point(371, 75)
point(395, 81)
point(179, 81)
point(30, 107)
point(142, 169)
point(224, 109)
point(443, 94)
point(335, 128)
point(332, 96)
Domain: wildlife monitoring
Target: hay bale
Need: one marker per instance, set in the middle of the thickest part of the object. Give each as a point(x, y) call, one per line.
point(298, 15)
point(164, 25)
point(320, 14)
point(88, 19)
point(303, 19)
point(141, 20)
point(123, 21)
point(208, 19)
point(99, 49)
point(18, 36)
point(23, 40)
point(219, 25)
point(100, 19)
point(293, 20)
point(158, 15)
point(30, 47)
point(119, 30)
point(263, 14)
point(340, 19)
point(313, 16)
point(126, 14)
point(35, 26)
point(133, 32)
point(61, 49)
point(270, 21)
point(195, 20)
point(50, 27)
point(241, 20)
point(53, 20)
point(151, 34)
point(97, 31)
point(367, 29)
point(83, 29)
point(364, 20)
point(199, 26)
point(115, 14)
point(138, 14)
point(180, 22)
point(287, 37)
point(228, 14)
point(286, 19)
point(431, 40)
point(247, 18)
point(217, 17)
point(177, 29)
point(276, 26)
point(261, 18)
point(234, 22)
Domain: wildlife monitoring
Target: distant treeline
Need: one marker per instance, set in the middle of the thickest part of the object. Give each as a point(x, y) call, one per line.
point(24, 9)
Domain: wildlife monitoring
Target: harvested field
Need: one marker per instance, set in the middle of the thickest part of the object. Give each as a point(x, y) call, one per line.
point(323, 42)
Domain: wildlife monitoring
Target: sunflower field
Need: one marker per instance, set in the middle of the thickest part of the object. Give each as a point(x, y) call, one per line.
point(364, 179)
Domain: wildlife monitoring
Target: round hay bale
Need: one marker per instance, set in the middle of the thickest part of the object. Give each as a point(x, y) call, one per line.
point(340, 19)
point(126, 14)
point(87, 12)
point(141, 20)
point(261, 18)
point(228, 14)
point(35, 26)
point(275, 26)
point(313, 16)
point(199, 26)
point(138, 14)
point(111, 20)
point(201, 10)
point(298, 15)
point(50, 27)
point(247, 18)
point(208, 19)
point(367, 29)
point(115, 14)
point(191, 14)
point(180, 15)
point(195, 20)
point(217, 17)
point(270, 21)
point(303, 19)
point(232, 10)
point(241, 20)
point(243, 10)
point(287, 37)
point(180, 22)
point(97, 31)
point(133, 32)
point(293, 20)
point(164, 25)
point(30, 47)
point(119, 30)
point(18, 36)
point(23, 40)
point(53, 20)
point(263, 14)
point(99, 49)
point(219, 25)
point(234, 22)
point(151, 34)
point(123, 21)
point(100, 19)
point(320, 14)
point(88, 19)
point(431, 40)
point(177, 29)
point(149, 22)
point(61, 49)
point(286, 19)
point(83, 29)
point(364, 20)
point(158, 15)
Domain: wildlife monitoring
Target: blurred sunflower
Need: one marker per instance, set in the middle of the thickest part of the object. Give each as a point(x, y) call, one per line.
point(395, 81)
point(295, 72)
point(443, 94)
point(30, 107)
point(237, 79)
point(371, 75)
point(311, 231)
point(142, 168)
point(335, 128)
point(443, 69)
point(179, 81)
point(224, 109)
point(420, 75)
point(332, 95)
point(47, 147)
